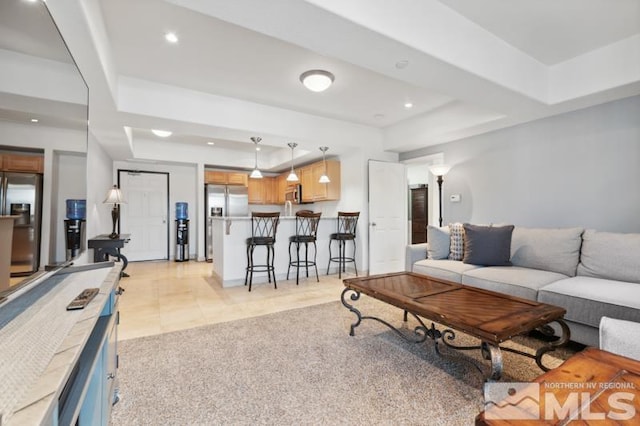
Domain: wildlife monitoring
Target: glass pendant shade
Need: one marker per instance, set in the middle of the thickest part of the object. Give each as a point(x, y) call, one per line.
point(439, 169)
point(255, 174)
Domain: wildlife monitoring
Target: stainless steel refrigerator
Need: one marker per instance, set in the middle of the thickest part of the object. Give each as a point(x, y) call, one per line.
point(21, 195)
point(223, 200)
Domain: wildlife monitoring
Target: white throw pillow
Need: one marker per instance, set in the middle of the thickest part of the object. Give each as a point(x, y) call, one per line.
point(439, 241)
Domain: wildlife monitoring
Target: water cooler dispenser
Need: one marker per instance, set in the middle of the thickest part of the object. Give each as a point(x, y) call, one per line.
point(182, 232)
point(74, 227)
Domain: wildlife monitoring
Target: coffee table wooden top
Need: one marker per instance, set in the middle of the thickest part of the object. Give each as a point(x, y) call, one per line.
point(597, 373)
point(490, 316)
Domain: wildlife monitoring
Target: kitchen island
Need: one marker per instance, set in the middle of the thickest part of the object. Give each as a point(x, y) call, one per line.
point(230, 249)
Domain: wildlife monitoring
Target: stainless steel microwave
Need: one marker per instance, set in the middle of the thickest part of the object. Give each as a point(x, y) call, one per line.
point(294, 194)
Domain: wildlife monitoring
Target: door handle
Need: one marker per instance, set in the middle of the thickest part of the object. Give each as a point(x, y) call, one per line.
point(373, 224)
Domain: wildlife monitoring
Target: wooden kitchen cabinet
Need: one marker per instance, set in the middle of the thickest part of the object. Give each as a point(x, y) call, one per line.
point(22, 163)
point(217, 177)
point(281, 188)
point(326, 191)
point(305, 174)
point(237, 178)
point(255, 189)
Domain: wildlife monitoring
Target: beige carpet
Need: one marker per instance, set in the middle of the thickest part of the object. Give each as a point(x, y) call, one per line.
point(301, 367)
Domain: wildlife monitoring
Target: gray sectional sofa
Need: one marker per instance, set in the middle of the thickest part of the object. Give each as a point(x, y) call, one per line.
point(589, 273)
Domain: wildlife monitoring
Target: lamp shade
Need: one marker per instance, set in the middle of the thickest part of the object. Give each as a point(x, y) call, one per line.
point(439, 169)
point(317, 80)
point(114, 196)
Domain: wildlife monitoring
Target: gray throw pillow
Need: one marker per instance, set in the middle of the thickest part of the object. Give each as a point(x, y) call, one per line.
point(487, 245)
point(438, 242)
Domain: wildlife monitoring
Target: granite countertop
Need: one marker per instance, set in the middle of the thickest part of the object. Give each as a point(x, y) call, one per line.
point(42, 341)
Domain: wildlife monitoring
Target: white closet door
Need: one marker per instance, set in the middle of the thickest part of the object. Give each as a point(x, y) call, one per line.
point(145, 215)
point(387, 217)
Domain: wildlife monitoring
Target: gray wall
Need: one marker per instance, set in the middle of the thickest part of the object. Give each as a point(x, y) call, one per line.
point(576, 169)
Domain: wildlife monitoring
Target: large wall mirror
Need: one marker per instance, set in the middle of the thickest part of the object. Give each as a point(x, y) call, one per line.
point(43, 118)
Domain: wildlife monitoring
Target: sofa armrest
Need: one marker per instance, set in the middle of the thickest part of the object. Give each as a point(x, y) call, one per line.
point(414, 252)
point(620, 337)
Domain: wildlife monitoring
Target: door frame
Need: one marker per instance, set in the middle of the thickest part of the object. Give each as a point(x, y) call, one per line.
point(168, 201)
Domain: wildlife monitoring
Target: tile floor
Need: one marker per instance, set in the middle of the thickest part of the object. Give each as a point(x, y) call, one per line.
point(165, 296)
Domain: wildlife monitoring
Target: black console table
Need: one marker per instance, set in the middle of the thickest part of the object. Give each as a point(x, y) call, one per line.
point(103, 246)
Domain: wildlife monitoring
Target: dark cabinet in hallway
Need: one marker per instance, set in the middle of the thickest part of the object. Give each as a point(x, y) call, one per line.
point(419, 219)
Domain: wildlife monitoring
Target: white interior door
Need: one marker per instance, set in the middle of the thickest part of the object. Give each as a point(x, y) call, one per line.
point(387, 217)
point(145, 215)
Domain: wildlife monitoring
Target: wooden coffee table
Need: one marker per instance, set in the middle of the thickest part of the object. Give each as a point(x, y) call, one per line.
point(489, 316)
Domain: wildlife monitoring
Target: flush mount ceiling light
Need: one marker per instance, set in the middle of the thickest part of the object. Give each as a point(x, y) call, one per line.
point(161, 133)
point(256, 174)
point(171, 37)
point(293, 177)
point(324, 178)
point(317, 80)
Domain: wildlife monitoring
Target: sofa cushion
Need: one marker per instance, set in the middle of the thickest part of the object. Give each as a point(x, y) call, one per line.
point(555, 250)
point(610, 255)
point(445, 269)
point(512, 280)
point(438, 242)
point(456, 250)
point(487, 245)
point(588, 299)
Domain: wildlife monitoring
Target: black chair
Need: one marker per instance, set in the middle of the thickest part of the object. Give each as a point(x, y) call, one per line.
point(347, 224)
point(263, 233)
point(306, 231)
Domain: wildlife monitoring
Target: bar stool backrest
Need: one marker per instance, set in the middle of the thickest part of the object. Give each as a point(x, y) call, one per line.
point(307, 223)
point(264, 225)
point(347, 222)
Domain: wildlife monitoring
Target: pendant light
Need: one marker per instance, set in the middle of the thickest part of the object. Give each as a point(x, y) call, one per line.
point(324, 178)
point(293, 177)
point(256, 174)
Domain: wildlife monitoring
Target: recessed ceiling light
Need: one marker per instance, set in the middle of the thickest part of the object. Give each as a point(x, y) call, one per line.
point(161, 133)
point(408, 105)
point(34, 120)
point(171, 37)
point(317, 80)
point(211, 143)
point(402, 64)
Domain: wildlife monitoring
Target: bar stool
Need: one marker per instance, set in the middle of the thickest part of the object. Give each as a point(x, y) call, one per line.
point(263, 233)
point(347, 222)
point(306, 230)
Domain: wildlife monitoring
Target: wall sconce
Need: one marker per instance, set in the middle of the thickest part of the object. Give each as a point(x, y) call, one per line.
point(293, 177)
point(114, 196)
point(440, 170)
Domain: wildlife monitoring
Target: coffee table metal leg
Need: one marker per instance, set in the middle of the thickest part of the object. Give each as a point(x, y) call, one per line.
point(564, 338)
point(493, 353)
point(421, 332)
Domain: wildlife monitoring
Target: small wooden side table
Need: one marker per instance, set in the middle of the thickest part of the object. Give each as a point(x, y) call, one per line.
point(593, 387)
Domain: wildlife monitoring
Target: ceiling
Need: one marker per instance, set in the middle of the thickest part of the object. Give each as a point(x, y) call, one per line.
point(467, 67)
